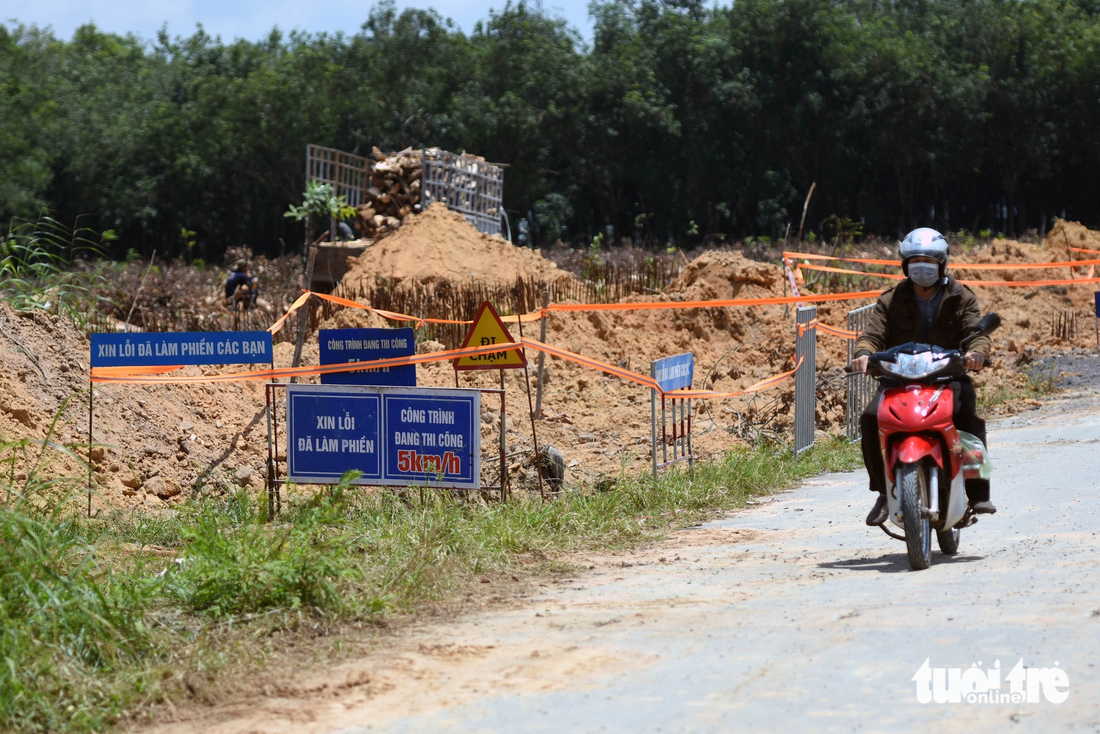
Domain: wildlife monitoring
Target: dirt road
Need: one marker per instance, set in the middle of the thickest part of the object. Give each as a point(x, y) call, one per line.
point(791, 615)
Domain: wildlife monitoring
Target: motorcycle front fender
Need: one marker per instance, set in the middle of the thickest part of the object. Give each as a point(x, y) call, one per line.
point(912, 449)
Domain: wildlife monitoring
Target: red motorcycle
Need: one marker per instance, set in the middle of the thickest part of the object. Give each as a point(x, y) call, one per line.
point(927, 459)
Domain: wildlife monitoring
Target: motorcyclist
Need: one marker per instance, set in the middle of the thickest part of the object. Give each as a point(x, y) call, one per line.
point(929, 307)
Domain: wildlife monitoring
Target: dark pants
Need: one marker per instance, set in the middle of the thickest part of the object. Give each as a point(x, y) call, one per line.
point(966, 419)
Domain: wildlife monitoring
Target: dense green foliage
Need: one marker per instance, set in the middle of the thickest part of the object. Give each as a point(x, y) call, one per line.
point(679, 120)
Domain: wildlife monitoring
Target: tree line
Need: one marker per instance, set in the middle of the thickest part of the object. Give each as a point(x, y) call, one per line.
point(677, 122)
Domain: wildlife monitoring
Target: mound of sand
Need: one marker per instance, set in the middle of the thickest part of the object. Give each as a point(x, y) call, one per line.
point(153, 444)
point(1064, 235)
point(441, 244)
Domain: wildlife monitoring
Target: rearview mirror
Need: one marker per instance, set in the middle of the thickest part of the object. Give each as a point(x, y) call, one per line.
point(989, 323)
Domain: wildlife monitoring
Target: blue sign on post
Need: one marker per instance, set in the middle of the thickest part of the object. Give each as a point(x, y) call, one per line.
point(341, 346)
point(674, 373)
point(181, 347)
point(392, 435)
point(331, 431)
point(1097, 294)
point(430, 437)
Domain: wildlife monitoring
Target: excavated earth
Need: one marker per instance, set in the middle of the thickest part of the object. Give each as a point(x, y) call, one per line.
point(155, 446)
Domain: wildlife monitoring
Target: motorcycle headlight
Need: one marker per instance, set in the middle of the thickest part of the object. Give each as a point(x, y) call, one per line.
point(915, 366)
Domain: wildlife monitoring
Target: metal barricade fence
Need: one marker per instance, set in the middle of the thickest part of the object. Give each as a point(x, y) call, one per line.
point(473, 188)
point(348, 174)
point(860, 387)
point(805, 380)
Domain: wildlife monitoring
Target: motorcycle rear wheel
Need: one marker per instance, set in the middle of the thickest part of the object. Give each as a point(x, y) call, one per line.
point(918, 526)
point(948, 541)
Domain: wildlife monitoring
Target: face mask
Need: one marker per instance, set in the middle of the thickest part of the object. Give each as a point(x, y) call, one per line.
point(924, 274)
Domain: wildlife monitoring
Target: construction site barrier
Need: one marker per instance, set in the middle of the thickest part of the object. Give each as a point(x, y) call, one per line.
point(805, 384)
point(860, 387)
point(152, 375)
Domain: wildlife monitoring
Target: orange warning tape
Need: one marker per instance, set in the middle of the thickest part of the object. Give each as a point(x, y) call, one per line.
point(685, 394)
point(536, 315)
point(836, 331)
point(721, 303)
point(832, 330)
point(955, 265)
point(391, 315)
point(144, 375)
point(864, 260)
point(154, 370)
point(610, 369)
point(1079, 249)
point(981, 283)
point(646, 380)
point(293, 307)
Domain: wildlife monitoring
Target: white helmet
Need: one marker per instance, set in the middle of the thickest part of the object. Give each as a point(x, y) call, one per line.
point(924, 242)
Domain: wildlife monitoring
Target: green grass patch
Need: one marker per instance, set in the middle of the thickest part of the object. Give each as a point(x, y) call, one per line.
point(1032, 382)
point(98, 622)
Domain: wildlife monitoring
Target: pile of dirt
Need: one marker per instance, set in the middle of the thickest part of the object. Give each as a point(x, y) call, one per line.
point(440, 244)
point(1031, 314)
point(601, 424)
point(1064, 235)
point(153, 446)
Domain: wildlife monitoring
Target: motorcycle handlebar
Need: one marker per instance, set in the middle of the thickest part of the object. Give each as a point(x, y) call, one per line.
point(986, 362)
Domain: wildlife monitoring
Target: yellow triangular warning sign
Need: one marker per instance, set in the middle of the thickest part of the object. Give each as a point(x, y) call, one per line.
point(489, 329)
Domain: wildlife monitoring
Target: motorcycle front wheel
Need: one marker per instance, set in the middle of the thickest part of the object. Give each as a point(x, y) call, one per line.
point(918, 526)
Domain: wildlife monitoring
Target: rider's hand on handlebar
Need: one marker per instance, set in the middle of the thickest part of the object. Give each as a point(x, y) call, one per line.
point(859, 364)
point(974, 361)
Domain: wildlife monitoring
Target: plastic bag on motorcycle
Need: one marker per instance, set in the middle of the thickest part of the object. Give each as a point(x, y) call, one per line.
point(977, 463)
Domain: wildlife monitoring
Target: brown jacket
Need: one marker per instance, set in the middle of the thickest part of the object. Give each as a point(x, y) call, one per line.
point(896, 320)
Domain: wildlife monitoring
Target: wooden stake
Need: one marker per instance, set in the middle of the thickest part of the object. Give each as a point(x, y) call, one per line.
point(91, 397)
point(303, 312)
point(503, 445)
point(805, 208)
point(534, 434)
point(542, 356)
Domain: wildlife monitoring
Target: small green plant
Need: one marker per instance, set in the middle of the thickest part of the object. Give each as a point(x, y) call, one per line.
point(187, 238)
point(1042, 379)
point(985, 234)
point(321, 200)
point(234, 564)
point(36, 272)
point(845, 230)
